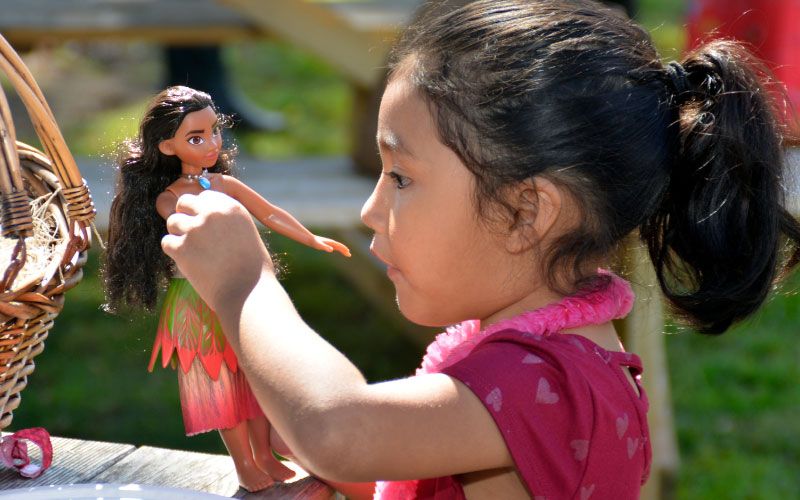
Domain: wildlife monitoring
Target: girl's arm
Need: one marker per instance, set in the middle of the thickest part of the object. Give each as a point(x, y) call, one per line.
point(276, 218)
point(338, 426)
point(353, 491)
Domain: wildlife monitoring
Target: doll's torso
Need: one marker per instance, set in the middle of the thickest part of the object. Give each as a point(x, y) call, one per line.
point(183, 186)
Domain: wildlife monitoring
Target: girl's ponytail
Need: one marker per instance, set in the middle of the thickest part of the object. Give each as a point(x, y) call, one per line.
point(717, 239)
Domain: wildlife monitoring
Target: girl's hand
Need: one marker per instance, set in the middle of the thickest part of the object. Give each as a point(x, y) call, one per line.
point(216, 245)
point(329, 245)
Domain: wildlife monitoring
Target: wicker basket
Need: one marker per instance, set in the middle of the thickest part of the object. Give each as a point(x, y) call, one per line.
point(28, 307)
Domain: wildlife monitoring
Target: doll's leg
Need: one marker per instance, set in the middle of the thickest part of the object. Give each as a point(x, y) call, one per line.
point(237, 441)
point(259, 430)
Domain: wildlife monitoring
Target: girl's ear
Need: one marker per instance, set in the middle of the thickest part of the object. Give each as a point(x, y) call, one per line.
point(166, 147)
point(538, 204)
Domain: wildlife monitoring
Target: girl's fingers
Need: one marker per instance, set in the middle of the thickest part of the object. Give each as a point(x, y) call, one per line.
point(179, 223)
point(171, 243)
point(188, 204)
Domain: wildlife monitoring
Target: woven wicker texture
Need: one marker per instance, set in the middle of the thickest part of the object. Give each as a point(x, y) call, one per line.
point(30, 303)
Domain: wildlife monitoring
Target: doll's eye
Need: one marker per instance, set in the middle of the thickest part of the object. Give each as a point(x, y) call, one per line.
point(195, 140)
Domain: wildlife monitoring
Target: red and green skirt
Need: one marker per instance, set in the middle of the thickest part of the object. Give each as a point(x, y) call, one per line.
point(213, 390)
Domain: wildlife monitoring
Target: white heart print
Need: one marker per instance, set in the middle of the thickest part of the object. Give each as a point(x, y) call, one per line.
point(495, 399)
point(577, 343)
point(543, 393)
point(622, 425)
point(633, 444)
point(532, 359)
point(581, 447)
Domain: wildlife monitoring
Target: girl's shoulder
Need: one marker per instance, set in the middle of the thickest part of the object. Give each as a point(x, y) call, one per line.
point(561, 399)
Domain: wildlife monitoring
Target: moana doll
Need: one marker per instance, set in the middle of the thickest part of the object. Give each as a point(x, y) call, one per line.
point(179, 151)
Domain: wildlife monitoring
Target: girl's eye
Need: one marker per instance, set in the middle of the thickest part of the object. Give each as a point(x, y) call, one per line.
point(195, 140)
point(399, 180)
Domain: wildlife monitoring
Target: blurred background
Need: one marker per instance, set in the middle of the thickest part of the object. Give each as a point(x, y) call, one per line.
point(305, 108)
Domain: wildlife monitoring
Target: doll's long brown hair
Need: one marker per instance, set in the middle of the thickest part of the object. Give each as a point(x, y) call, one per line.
point(134, 267)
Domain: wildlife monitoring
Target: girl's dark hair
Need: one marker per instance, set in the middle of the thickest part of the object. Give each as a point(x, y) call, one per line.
point(689, 154)
point(135, 268)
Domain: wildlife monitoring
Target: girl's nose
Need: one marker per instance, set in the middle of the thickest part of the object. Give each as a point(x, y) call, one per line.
point(370, 212)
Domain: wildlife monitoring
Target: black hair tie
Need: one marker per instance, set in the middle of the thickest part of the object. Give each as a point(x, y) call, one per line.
point(679, 81)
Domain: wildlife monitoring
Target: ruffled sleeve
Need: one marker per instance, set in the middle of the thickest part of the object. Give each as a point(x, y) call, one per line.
point(539, 409)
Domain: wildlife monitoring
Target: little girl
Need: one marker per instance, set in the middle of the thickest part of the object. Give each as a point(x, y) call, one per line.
point(521, 140)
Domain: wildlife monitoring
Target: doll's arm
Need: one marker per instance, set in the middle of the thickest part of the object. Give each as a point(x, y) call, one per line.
point(165, 204)
point(278, 219)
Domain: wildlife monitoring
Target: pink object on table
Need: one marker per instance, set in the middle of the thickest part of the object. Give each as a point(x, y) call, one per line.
point(14, 451)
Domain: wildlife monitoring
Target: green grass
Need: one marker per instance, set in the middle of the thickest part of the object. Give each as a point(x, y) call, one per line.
point(313, 98)
point(105, 130)
point(737, 402)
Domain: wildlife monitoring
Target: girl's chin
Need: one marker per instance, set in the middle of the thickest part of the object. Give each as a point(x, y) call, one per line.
point(420, 316)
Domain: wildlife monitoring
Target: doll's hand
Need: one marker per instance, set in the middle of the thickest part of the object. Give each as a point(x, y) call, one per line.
point(216, 245)
point(329, 245)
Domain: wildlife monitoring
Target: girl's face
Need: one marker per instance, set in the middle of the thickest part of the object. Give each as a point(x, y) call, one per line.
point(446, 264)
point(197, 141)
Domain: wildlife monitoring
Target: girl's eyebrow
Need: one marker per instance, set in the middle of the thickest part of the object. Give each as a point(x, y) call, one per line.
point(389, 140)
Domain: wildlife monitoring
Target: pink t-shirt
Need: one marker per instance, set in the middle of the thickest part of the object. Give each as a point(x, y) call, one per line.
point(573, 423)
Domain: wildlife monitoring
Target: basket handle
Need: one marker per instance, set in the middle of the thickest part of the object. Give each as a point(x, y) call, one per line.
point(80, 208)
point(17, 219)
point(16, 208)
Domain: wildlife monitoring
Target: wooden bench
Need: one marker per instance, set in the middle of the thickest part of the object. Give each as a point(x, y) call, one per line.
point(353, 36)
point(93, 462)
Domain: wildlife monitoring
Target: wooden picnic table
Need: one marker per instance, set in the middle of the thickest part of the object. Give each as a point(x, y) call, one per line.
point(77, 461)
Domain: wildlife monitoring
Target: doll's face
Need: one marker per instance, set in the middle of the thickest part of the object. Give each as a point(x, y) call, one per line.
point(197, 141)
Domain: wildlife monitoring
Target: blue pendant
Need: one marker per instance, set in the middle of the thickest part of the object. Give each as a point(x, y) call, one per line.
point(204, 183)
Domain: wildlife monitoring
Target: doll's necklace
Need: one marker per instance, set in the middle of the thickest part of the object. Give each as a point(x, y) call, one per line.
point(201, 178)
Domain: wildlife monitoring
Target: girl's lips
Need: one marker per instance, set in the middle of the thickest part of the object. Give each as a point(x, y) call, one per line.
point(392, 272)
point(390, 269)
